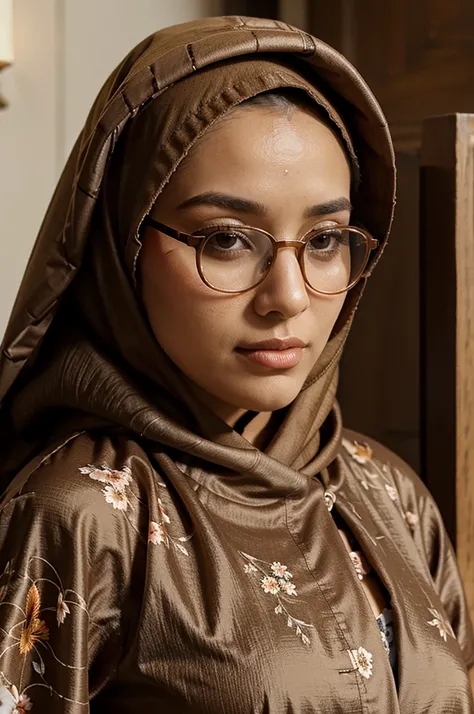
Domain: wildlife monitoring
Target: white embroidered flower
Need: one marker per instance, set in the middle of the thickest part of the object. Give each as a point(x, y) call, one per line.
point(250, 569)
point(281, 571)
point(163, 513)
point(411, 518)
point(438, 621)
point(287, 587)
point(13, 703)
point(362, 453)
point(62, 610)
point(120, 479)
point(392, 492)
point(362, 661)
point(270, 585)
point(116, 497)
point(157, 534)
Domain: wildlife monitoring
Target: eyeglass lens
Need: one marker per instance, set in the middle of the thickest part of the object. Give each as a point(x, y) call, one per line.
point(235, 259)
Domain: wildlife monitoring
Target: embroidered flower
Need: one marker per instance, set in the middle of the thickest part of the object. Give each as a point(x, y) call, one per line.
point(362, 661)
point(270, 585)
point(443, 626)
point(276, 581)
point(120, 479)
point(281, 571)
point(250, 569)
point(33, 628)
point(287, 588)
point(392, 492)
point(411, 519)
point(13, 703)
point(116, 497)
point(62, 610)
point(157, 534)
point(24, 704)
point(362, 453)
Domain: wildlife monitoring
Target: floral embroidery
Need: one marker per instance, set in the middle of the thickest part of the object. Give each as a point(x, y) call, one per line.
point(119, 479)
point(276, 580)
point(362, 661)
point(362, 453)
point(13, 703)
point(30, 635)
point(411, 519)
point(117, 483)
point(116, 497)
point(159, 535)
point(392, 492)
point(443, 626)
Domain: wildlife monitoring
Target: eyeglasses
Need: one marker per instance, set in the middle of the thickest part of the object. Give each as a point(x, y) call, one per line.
point(235, 259)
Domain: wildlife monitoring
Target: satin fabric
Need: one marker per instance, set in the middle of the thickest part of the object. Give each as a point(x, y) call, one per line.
point(152, 557)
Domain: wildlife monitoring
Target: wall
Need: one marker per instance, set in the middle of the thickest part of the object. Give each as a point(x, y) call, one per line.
point(64, 50)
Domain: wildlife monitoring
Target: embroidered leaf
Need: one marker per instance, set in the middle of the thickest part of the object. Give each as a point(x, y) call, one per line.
point(305, 639)
point(33, 629)
point(298, 630)
point(289, 622)
point(184, 539)
point(278, 610)
point(181, 548)
point(39, 667)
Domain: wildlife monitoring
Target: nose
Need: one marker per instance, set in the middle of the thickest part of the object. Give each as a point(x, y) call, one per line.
point(284, 289)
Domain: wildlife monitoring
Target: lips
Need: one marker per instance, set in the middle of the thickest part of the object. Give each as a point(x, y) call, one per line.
point(276, 353)
point(283, 343)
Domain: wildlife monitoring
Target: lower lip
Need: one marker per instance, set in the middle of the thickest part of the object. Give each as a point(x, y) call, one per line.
point(276, 359)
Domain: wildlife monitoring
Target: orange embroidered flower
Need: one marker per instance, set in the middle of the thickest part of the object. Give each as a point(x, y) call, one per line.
point(362, 453)
point(33, 629)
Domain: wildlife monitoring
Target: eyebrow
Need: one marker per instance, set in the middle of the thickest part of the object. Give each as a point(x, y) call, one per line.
point(245, 205)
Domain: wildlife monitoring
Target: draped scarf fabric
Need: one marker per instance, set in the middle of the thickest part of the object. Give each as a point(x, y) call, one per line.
point(78, 351)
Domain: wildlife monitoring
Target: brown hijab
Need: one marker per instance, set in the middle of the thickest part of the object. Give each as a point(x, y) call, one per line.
point(78, 352)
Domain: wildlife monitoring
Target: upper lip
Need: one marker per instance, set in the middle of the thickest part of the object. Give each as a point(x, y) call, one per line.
point(284, 343)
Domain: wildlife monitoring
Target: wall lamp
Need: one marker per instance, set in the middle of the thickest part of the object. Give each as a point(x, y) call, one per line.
point(6, 38)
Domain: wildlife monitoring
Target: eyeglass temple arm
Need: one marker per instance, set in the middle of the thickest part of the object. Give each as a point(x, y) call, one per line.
point(173, 233)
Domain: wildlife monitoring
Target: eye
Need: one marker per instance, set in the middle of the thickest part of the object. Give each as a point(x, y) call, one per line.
point(327, 240)
point(227, 240)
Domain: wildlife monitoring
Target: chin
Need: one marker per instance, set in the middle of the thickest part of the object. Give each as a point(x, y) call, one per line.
point(266, 397)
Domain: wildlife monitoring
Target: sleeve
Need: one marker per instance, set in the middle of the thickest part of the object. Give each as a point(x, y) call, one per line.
point(429, 533)
point(67, 550)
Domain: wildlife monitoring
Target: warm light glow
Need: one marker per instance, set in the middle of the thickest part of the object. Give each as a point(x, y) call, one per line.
point(6, 31)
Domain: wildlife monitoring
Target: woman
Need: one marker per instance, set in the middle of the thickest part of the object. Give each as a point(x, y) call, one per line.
point(186, 527)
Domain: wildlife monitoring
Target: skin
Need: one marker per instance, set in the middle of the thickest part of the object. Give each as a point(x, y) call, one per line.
point(286, 163)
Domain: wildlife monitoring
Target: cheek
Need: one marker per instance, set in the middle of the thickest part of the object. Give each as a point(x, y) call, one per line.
point(325, 311)
point(185, 315)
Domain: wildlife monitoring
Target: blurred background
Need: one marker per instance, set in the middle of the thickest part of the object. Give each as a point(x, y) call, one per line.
point(418, 57)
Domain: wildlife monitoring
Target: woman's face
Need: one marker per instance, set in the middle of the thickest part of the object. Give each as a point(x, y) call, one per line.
point(286, 174)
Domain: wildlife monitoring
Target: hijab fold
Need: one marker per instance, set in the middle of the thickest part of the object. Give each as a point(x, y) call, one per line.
point(78, 351)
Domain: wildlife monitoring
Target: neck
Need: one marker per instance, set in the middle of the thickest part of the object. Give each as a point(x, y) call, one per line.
point(255, 424)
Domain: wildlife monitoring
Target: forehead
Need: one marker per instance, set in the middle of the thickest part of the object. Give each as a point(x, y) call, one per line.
point(255, 147)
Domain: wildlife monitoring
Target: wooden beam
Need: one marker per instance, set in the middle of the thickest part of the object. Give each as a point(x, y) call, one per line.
point(447, 339)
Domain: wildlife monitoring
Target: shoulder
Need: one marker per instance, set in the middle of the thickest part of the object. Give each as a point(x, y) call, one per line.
point(96, 482)
point(367, 452)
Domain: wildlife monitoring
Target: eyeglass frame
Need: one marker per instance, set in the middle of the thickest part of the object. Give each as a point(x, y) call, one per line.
point(198, 242)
